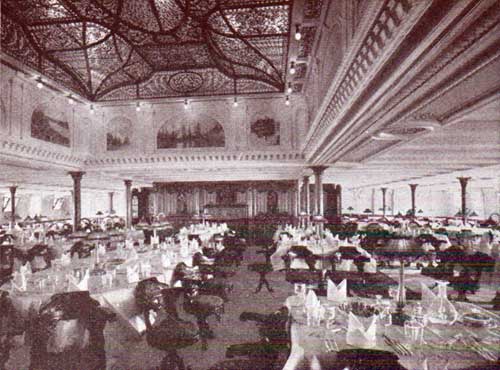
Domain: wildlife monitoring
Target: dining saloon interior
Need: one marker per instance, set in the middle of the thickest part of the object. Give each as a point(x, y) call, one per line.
point(250, 184)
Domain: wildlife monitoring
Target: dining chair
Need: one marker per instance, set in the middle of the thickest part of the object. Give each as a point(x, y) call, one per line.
point(39, 256)
point(270, 352)
point(165, 330)
point(202, 306)
point(11, 324)
point(68, 333)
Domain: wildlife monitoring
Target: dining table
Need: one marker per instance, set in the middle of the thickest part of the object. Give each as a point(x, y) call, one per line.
point(109, 280)
point(444, 345)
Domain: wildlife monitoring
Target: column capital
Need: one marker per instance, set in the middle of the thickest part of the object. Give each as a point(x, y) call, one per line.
point(383, 190)
point(306, 178)
point(463, 181)
point(413, 186)
point(76, 175)
point(13, 189)
point(318, 170)
point(128, 183)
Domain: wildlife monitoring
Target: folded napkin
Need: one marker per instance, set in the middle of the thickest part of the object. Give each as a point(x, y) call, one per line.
point(65, 259)
point(358, 336)
point(155, 240)
point(362, 251)
point(311, 300)
point(83, 284)
point(439, 309)
point(184, 251)
point(337, 293)
point(370, 267)
point(132, 255)
point(19, 282)
point(145, 269)
point(25, 269)
point(165, 261)
point(133, 273)
point(346, 265)
point(427, 247)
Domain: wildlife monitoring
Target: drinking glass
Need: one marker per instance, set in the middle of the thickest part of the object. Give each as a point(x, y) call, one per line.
point(385, 316)
point(414, 332)
point(330, 315)
point(393, 292)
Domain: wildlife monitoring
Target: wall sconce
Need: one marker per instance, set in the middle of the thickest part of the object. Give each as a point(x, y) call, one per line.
point(292, 68)
point(298, 35)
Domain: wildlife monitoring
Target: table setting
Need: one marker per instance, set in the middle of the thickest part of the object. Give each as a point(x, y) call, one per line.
point(324, 327)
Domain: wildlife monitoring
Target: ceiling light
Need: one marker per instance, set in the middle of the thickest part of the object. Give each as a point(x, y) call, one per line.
point(70, 100)
point(298, 35)
point(289, 90)
point(287, 100)
point(292, 68)
point(39, 83)
point(186, 104)
point(138, 107)
point(235, 102)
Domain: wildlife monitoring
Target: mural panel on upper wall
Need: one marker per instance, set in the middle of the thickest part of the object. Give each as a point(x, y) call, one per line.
point(202, 132)
point(264, 131)
point(49, 125)
point(118, 134)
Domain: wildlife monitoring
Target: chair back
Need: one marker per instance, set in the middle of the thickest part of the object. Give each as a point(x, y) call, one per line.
point(68, 332)
point(39, 257)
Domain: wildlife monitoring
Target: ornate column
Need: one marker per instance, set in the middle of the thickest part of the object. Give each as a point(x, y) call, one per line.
point(463, 186)
point(196, 194)
point(383, 200)
point(254, 201)
point(413, 188)
point(318, 188)
point(128, 203)
point(297, 200)
point(12, 205)
point(307, 203)
point(339, 200)
point(111, 211)
point(77, 197)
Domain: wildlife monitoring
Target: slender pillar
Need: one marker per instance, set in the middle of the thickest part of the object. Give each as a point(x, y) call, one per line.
point(413, 188)
point(383, 200)
point(463, 186)
point(318, 188)
point(339, 200)
point(77, 198)
point(254, 201)
point(196, 195)
point(128, 202)
point(297, 200)
point(111, 211)
point(12, 205)
point(307, 203)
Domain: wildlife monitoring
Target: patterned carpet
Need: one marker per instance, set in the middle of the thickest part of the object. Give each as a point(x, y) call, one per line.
point(128, 352)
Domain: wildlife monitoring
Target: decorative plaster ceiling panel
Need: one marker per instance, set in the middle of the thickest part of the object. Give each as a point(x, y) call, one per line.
point(129, 49)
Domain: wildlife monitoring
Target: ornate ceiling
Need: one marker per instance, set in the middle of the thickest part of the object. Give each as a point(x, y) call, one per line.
point(127, 49)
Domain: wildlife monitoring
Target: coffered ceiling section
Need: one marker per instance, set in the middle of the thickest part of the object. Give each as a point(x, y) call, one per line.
point(127, 49)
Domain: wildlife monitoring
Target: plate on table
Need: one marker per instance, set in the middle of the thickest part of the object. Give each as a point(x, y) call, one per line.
point(116, 261)
point(478, 319)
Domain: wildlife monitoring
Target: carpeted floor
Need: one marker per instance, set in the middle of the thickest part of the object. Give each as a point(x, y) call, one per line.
point(127, 352)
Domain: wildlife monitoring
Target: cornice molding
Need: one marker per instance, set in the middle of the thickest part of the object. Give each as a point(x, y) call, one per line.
point(446, 44)
point(24, 151)
point(394, 20)
point(198, 158)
